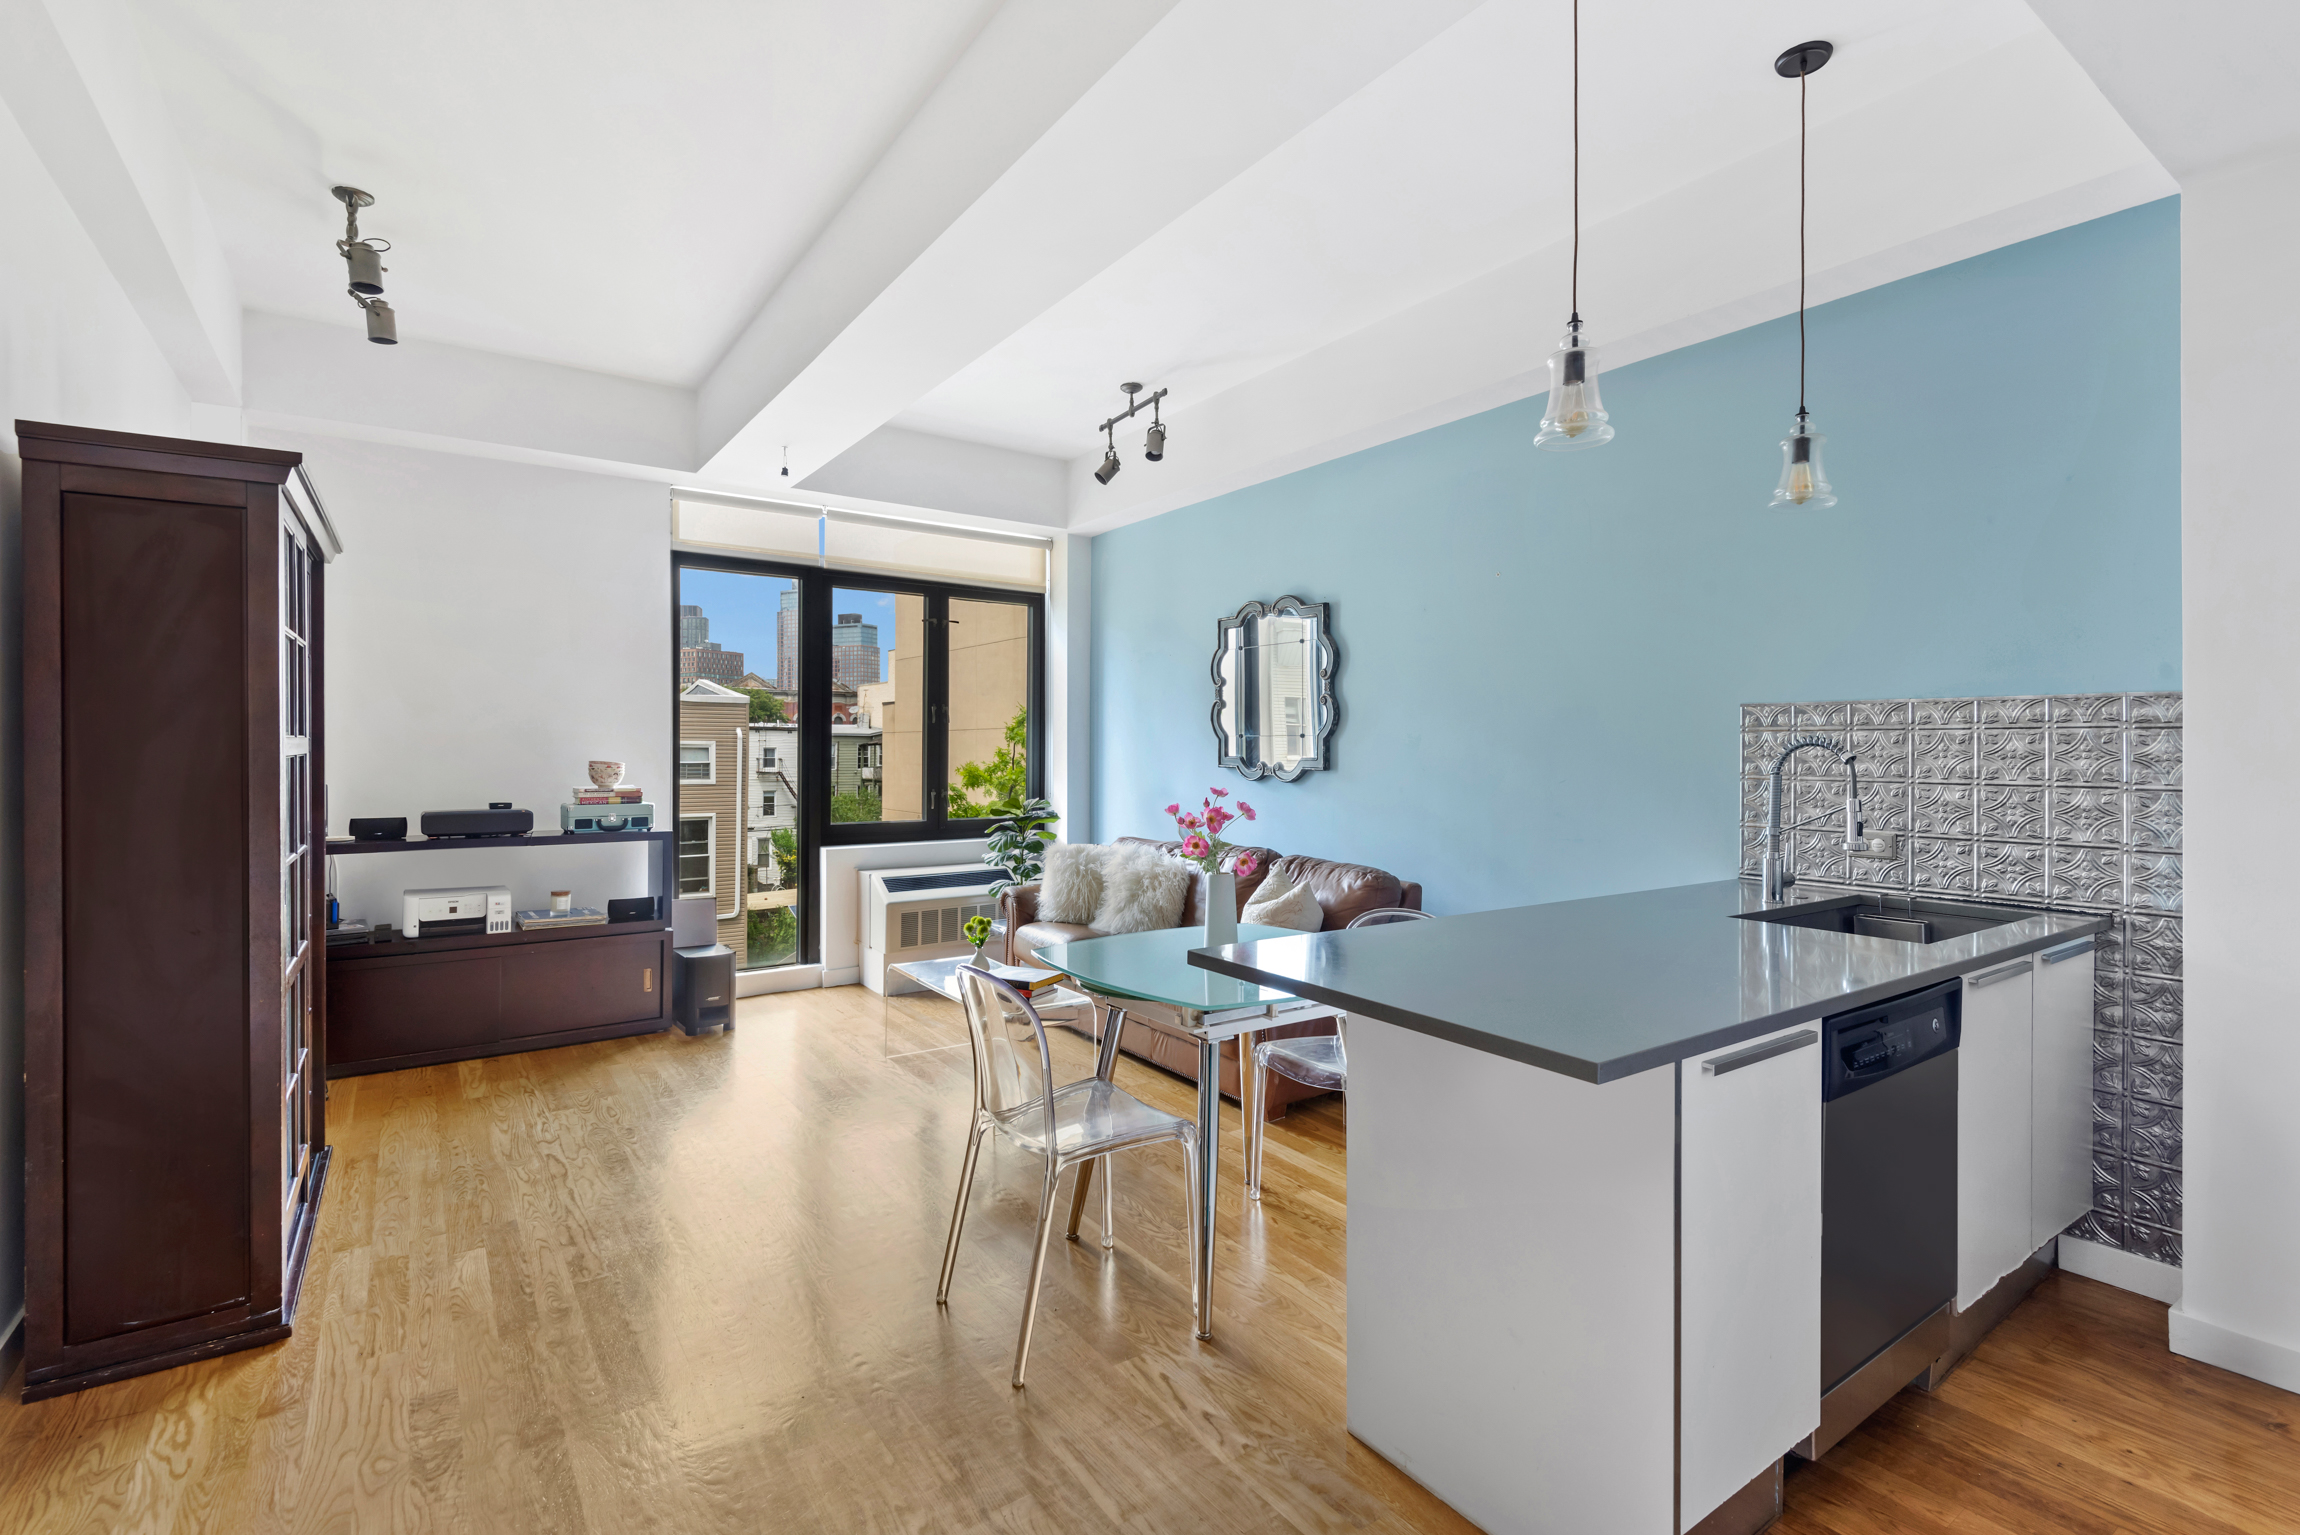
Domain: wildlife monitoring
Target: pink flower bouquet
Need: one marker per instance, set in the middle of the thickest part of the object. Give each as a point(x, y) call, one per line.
point(1201, 831)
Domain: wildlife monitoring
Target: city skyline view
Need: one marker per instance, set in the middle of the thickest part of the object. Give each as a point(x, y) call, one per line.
point(742, 608)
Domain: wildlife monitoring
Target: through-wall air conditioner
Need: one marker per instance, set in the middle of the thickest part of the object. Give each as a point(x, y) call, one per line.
point(921, 914)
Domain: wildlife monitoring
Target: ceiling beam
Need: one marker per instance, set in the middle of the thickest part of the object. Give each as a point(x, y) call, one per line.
point(2201, 83)
point(76, 80)
point(1091, 151)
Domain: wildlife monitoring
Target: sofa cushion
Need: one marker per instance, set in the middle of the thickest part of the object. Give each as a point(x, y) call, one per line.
point(1344, 890)
point(1142, 891)
point(1024, 942)
point(1280, 903)
point(1071, 888)
point(1194, 909)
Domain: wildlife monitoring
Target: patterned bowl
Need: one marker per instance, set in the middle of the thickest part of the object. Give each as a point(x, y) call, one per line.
point(606, 774)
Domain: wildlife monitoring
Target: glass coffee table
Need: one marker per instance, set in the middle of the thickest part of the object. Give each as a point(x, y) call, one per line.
point(1128, 968)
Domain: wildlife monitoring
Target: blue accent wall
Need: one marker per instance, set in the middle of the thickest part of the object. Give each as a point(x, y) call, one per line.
point(1543, 654)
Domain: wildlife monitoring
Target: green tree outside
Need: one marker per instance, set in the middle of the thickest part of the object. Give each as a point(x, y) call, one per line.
point(766, 708)
point(999, 786)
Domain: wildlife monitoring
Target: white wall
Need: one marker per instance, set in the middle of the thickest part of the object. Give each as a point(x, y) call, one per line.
point(71, 350)
point(491, 628)
point(2240, 574)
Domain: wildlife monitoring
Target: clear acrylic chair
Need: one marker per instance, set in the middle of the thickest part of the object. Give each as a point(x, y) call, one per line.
point(1068, 1126)
point(1314, 1060)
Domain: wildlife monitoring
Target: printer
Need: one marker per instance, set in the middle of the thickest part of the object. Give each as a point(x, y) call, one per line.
point(455, 910)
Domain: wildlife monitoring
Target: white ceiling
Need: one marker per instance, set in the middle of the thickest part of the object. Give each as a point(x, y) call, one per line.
point(611, 186)
point(919, 242)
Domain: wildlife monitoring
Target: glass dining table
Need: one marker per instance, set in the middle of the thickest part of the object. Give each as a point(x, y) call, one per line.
point(1125, 969)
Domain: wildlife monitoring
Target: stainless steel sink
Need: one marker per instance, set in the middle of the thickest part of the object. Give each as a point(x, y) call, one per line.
point(1910, 919)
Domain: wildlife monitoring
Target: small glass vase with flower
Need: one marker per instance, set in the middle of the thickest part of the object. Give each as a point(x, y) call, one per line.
point(1202, 845)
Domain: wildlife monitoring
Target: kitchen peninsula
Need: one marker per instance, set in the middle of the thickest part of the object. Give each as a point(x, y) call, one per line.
point(1586, 1178)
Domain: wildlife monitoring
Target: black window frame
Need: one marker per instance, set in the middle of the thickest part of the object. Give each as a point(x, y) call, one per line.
point(817, 744)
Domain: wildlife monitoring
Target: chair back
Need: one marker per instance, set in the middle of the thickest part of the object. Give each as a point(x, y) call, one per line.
point(1387, 914)
point(1013, 1069)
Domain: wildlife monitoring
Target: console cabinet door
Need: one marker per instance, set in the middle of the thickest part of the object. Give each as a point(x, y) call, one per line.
point(1749, 1235)
point(2061, 1138)
point(1994, 1111)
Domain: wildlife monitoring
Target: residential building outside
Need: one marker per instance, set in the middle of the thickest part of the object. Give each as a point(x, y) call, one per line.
point(773, 798)
point(859, 760)
point(873, 701)
point(709, 814)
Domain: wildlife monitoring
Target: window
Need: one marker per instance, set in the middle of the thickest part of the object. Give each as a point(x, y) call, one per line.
point(698, 859)
point(767, 803)
point(698, 762)
point(769, 759)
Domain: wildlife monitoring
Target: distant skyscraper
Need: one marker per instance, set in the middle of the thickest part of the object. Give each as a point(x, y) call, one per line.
point(698, 657)
point(787, 641)
point(854, 651)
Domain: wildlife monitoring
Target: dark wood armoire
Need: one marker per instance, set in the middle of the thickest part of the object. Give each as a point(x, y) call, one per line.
point(174, 907)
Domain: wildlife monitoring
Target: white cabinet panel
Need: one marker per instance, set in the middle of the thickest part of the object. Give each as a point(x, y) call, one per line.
point(1994, 1088)
point(2061, 1137)
point(1750, 1249)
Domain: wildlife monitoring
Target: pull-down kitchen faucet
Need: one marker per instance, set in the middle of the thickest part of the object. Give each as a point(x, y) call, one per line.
point(1774, 871)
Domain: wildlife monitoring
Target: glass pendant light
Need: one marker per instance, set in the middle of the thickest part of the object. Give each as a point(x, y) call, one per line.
point(1803, 483)
point(1575, 418)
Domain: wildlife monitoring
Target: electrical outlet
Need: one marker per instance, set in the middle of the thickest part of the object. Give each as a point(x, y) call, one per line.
point(1880, 844)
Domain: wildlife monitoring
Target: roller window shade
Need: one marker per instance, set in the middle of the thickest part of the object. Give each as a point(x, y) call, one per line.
point(886, 547)
point(853, 541)
point(768, 529)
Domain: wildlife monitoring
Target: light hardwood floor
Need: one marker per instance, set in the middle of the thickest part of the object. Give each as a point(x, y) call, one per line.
point(687, 1285)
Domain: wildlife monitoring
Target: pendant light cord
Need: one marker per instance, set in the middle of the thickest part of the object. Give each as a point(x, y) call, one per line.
point(1576, 321)
point(1803, 74)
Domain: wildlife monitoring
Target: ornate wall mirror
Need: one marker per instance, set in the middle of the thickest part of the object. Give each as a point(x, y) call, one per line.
point(1274, 705)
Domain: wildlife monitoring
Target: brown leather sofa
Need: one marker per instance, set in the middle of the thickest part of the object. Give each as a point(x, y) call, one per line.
point(1345, 891)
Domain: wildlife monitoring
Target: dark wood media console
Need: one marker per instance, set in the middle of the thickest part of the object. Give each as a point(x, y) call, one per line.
point(421, 1001)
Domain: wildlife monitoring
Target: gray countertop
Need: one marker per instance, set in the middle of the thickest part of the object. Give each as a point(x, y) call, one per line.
point(1607, 987)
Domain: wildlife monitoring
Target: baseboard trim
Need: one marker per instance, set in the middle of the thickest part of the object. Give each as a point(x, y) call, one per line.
point(850, 975)
point(2242, 1353)
point(760, 983)
point(2127, 1271)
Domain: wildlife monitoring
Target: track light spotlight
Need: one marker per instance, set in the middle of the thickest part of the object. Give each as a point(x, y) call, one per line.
point(364, 259)
point(382, 324)
point(1153, 442)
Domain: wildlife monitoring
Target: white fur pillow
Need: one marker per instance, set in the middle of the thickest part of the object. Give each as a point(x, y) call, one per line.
point(1071, 887)
point(1279, 904)
point(1142, 891)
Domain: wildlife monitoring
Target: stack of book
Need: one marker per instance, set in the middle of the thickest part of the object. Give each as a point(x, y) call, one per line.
point(621, 794)
point(581, 916)
point(1032, 982)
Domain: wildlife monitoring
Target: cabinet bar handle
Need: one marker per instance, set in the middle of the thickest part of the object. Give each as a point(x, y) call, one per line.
point(647, 979)
point(1991, 977)
point(2068, 951)
point(1718, 1065)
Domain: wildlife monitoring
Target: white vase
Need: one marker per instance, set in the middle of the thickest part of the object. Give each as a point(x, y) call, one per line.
point(1221, 908)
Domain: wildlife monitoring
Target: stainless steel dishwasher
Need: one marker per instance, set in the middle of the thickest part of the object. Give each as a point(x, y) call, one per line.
point(1888, 1200)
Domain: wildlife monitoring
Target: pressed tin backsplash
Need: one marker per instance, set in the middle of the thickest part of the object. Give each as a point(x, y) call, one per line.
point(2068, 801)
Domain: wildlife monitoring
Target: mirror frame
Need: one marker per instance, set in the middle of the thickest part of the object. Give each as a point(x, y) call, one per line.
point(1329, 709)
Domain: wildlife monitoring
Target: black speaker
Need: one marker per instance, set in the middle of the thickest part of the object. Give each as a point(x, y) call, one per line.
point(379, 828)
point(639, 908)
point(494, 821)
point(705, 995)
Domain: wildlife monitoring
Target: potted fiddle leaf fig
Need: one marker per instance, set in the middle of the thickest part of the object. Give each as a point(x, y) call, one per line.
point(1018, 844)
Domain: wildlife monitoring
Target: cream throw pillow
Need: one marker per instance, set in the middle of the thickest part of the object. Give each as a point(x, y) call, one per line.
point(1142, 891)
point(1071, 887)
point(1279, 904)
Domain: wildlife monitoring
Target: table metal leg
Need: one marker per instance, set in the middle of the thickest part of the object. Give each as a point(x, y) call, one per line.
point(1252, 1086)
point(1209, 1159)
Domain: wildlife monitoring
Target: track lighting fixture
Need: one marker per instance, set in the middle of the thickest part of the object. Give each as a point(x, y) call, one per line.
point(1153, 442)
point(786, 460)
point(1802, 481)
point(364, 258)
point(1575, 419)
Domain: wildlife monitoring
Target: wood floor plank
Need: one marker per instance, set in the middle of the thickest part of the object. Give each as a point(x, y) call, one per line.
point(686, 1286)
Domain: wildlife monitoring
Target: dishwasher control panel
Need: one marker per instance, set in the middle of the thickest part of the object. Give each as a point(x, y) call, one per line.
point(1869, 1045)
